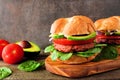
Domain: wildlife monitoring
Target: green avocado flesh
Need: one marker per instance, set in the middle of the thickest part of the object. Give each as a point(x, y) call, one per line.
point(33, 51)
point(117, 33)
point(56, 36)
point(92, 35)
point(33, 48)
point(113, 33)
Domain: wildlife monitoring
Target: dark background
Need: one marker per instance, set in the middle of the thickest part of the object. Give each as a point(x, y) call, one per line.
point(31, 19)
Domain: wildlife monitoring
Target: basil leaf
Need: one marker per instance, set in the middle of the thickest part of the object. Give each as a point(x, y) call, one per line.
point(29, 65)
point(50, 48)
point(5, 72)
point(65, 56)
point(108, 52)
point(89, 52)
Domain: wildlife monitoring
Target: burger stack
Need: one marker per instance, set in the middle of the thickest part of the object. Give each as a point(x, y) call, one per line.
point(81, 47)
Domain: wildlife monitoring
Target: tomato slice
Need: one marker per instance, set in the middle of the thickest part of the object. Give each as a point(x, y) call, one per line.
point(65, 41)
point(107, 37)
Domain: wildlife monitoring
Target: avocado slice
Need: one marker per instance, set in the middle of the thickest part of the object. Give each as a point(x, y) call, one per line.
point(112, 33)
point(117, 33)
point(32, 51)
point(57, 36)
point(92, 35)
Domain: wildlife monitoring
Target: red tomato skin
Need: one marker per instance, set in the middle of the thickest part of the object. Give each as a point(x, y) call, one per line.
point(3, 43)
point(12, 53)
point(65, 41)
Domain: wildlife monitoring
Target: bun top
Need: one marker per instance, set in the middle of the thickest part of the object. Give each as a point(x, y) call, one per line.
point(75, 25)
point(108, 24)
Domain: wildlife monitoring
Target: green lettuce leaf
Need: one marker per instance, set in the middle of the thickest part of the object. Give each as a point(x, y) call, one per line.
point(89, 52)
point(100, 45)
point(65, 56)
point(4, 72)
point(50, 48)
point(108, 52)
point(30, 65)
point(55, 54)
point(62, 56)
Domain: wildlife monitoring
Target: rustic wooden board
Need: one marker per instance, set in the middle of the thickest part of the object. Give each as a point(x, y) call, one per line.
point(81, 70)
point(42, 74)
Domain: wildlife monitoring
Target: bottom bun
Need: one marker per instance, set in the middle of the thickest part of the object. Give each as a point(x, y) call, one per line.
point(77, 59)
point(80, 70)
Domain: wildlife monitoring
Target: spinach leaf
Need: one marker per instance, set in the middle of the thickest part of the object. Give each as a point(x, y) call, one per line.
point(54, 55)
point(89, 52)
point(5, 72)
point(65, 56)
point(100, 45)
point(30, 65)
point(62, 56)
point(108, 52)
point(50, 48)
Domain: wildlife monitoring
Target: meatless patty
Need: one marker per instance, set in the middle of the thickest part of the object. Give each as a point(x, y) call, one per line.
point(108, 41)
point(73, 48)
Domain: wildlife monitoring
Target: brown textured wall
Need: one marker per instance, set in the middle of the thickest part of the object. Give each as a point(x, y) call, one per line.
point(31, 19)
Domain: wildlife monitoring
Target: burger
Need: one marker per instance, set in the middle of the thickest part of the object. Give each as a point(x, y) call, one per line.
point(73, 52)
point(108, 31)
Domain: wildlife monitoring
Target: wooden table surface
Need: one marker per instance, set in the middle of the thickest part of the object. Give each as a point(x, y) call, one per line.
point(42, 74)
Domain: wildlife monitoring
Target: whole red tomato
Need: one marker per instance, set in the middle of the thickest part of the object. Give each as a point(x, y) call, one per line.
point(12, 53)
point(3, 43)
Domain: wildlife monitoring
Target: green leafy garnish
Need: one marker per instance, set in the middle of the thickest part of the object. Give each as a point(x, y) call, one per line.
point(108, 52)
point(100, 45)
point(5, 72)
point(50, 48)
point(89, 52)
point(30, 65)
point(55, 54)
point(65, 56)
point(62, 56)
